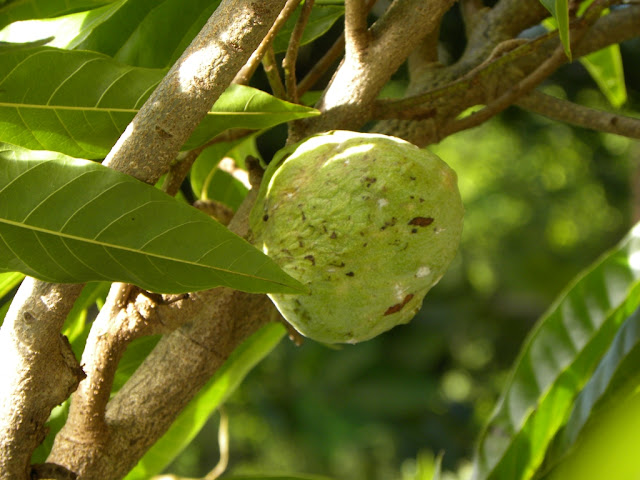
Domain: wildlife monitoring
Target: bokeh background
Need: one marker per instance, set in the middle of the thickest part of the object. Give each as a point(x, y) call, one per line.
point(543, 200)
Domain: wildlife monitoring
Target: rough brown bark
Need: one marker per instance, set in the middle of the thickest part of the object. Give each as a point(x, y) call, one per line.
point(39, 370)
point(371, 57)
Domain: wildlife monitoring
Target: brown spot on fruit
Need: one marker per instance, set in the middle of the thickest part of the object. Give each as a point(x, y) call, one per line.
point(399, 306)
point(349, 274)
point(421, 221)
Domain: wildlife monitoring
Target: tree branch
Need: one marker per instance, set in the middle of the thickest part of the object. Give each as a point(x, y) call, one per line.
point(39, 370)
point(184, 97)
point(291, 57)
point(247, 71)
point(580, 115)
point(355, 27)
point(347, 101)
point(497, 74)
point(270, 66)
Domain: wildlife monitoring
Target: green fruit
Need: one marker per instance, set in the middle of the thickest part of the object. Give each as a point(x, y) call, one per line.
point(369, 223)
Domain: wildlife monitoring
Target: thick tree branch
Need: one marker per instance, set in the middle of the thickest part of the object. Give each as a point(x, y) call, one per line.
point(39, 370)
point(347, 100)
point(579, 115)
point(355, 27)
point(430, 110)
point(183, 98)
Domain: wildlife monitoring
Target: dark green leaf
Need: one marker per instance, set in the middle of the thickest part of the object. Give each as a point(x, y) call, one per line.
point(207, 401)
point(89, 99)
point(555, 363)
point(559, 10)
point(320, 21)
point(76, 221)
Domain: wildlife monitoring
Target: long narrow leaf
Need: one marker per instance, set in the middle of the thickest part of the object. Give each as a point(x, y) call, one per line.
point(8, 281)
point(76, 221)
point(207, 401)
point(559, 10)
point(556, 362)
point(616, 375)
point(79, 102)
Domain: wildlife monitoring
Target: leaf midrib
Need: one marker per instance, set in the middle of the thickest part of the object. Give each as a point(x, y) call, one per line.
point(127, 249)
point(127, 110)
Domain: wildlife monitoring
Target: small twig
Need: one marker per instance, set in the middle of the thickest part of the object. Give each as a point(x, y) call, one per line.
point(321, 66)
point(328, 59)
point(223, 445)
point(355, 27)
point(290, 58)
point(273, 74)
point(246, 72)
point(580, 115)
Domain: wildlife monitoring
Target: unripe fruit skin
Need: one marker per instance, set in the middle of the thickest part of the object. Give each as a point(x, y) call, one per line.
point(369, 223)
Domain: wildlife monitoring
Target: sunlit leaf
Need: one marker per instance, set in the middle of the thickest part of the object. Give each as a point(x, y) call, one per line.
point(76, 221)
point(559, 10)
point(88, 100)
point(556, 362)
point(8, 281)
point(206, 402)
point(605, 66)
point(13, 11)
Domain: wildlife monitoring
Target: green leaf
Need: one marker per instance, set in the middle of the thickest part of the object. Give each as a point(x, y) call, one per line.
point(8, 281)
point(555, 363)
point(605, 67)
point(210, 183)
point(131, 31)
point(320, 21)
point(559, 10)
point(212, 395)
point(615, 380)
point(13, 11)
point(78, 323)
point(88, 100)
point(76, 221)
